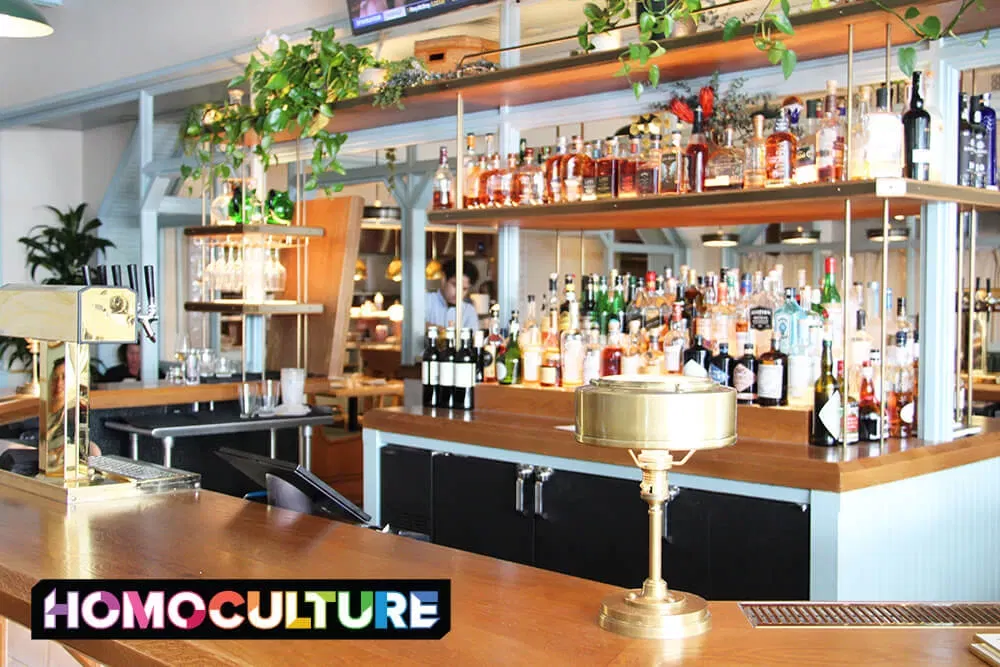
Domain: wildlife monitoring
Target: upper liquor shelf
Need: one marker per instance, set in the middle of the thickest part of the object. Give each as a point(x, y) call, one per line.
point(818, 34)
point(798, 203)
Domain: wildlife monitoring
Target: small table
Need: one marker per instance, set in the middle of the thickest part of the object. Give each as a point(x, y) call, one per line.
point(359, 389)
point(178, 425)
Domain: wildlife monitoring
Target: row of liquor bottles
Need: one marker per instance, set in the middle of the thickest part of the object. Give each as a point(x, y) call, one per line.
point(884, 144)
point(689, 330)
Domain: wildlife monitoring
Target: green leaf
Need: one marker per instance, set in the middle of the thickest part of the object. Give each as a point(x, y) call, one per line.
point(633, 51)
point(665, 25)
point(583, 37)
point(820, 4)
point(311, 183)
point(984, 41)
point(911, 13)
point(277, 81)
point(931, 27)
point(637, 88)
point(774, 55)
point(654, 76)
point(788, 62)
point(782, 23)
point(907, 60)
point(592, 11)
point(266, 141)
point(692, 5)
point(238, 81)
point(786, 8)
point(623, 70)
point(326, 110)
point(643, 54)
point(646, 23)
point(658, 51)
point(732, 27)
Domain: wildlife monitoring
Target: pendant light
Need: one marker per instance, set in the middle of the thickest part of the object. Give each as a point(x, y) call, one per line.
point(720, 239)
point(395, 270)
point(896, 234)
point(434, 270)
point(18, 18)
point(360, 270)
point(800, 237)
point(378, 213)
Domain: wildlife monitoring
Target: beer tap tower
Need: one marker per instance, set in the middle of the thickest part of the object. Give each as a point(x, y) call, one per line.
point(65, 320)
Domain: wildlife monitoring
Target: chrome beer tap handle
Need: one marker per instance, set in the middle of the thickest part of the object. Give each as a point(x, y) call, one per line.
point(147, 316)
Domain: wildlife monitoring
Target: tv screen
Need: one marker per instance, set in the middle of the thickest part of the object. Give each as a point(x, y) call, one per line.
point(372, 15)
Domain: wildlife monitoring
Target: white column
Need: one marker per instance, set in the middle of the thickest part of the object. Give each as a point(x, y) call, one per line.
point(148, 231)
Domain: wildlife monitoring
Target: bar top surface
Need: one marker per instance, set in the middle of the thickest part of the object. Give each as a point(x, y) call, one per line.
point(782, 464)
point(501, 612)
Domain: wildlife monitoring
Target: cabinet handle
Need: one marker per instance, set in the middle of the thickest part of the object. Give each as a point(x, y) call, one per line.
point(523, 472)
point(541, 476)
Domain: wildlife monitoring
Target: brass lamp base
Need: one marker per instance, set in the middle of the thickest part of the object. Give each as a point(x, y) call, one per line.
point(676, 616)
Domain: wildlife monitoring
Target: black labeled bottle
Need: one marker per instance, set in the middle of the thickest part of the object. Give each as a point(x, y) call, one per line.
point(745, 377)
point(512, 355)
point(430, 369)
point(696, 155)
point(446, 374)
point(463, 393)
point(721, 366)
point(696, 359)
point(772, 376)
point(917, 136)
point(827, 404)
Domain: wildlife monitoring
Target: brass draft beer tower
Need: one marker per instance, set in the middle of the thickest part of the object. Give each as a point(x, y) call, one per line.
point(64, 320)
point(655, 415)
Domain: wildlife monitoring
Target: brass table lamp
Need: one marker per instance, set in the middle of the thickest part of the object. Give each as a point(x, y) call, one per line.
point(655, 415)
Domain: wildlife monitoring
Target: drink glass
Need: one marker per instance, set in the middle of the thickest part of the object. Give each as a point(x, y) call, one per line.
point(270, 395)
point(293, 384)
point(192, 369)
point(250, 399)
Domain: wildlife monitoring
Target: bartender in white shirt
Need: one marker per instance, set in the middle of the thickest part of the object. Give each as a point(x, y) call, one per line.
point(439, 309)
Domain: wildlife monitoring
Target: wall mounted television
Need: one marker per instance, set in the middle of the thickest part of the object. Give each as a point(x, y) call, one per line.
point(373, 15)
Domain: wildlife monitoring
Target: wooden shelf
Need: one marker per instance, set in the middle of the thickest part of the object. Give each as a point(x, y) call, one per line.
point(818, 34)
point(267, 308)
point(275, 236)
point(799, 203)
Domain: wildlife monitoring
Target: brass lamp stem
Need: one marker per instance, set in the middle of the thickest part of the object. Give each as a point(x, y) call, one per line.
point(655, 491)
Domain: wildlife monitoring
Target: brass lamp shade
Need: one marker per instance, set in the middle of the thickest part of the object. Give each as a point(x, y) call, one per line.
point(655, 415)
point(434, 270)
point(395, 270)
point(360, 270)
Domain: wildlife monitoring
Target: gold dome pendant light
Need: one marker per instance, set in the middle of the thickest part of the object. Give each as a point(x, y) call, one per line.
point(395, 270)
point(434, 270)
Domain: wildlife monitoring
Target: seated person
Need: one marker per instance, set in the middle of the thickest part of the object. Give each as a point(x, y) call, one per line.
point(130, 356)
point(439, 308)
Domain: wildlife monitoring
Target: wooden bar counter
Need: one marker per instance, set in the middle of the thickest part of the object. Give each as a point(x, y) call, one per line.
point(501, 612)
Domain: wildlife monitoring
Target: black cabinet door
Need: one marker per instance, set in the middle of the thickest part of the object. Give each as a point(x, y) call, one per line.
point(406, 489)
point(475, 508)
point(592, 527)
point(729, 547)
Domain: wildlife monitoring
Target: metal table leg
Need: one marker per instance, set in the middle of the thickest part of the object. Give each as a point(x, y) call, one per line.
point(168, 451)
point(274, 444)
point(133, 439)
point(305, 456)
point(352, 414)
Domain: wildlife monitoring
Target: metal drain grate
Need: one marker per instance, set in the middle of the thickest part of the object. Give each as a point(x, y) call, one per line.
point(860, 614)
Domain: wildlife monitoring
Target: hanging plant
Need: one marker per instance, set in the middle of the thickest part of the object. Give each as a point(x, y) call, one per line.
point(772, 27)
point(293, 89)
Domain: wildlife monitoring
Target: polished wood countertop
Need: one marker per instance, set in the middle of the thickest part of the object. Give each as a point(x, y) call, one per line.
point(501, 612)
point(781, 464)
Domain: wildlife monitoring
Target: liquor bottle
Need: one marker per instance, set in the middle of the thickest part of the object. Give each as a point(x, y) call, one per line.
point(672, 166)
point(446, 375)
point(575, 167)
point(531, 345)
point(903, 323)
point(530, 178)
point(628, 165)
point(696, 359)
point(801, 375)
point(980, 149)
point(611, 356)
point(430, 368)
point(632, 358)
point(648, 173)
point(696, 155)
point(570, 297)
point(607, 171)
point(745, 377)
point(470, 164)
point(826, 139)
point(463, 397)
point(805, 163)
point(827, 404)
point(755, 156)
point(478, 340)
point(900, 406)
point(616, 303)
point(832, 306)
point(966, 145)
point(512, 355)
point(489, 181)
point(852, 405)
point(652, 363)
point(725, 166)
point(916, 136)
point(772, 376)
point(861, 349)
point(592, 356)
point(869, 409)
point(553, 174)
point(859, 136)
point(782, 149)
point(444, 184)
point(989, 122)
point(884, 139)
point(785, 320)
point(674, 342)
point(721, 366)
point(573, 349)
point(492, 346)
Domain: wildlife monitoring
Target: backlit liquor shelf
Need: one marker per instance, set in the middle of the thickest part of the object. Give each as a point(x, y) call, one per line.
point(796, 203)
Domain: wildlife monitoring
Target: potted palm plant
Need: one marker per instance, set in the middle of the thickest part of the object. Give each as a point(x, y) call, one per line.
point(62, 250)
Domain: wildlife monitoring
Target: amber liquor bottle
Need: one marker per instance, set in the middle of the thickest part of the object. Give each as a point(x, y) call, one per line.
point(607, 171)
point(782, 148)
point(696, 155)
point(627, 171)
